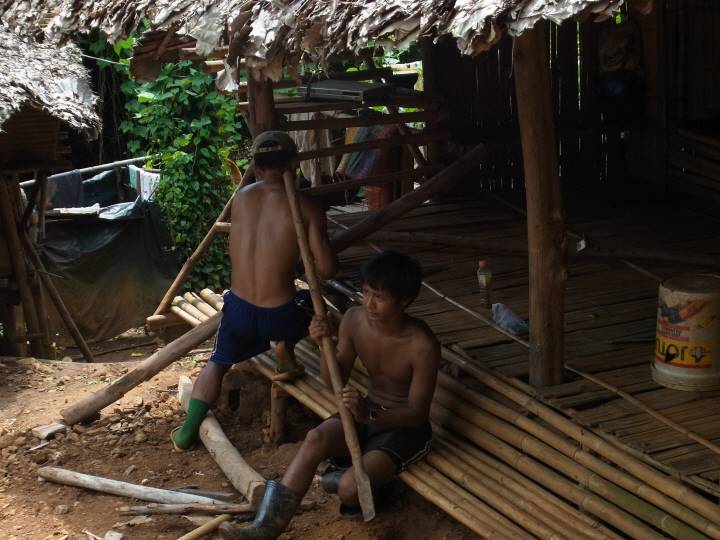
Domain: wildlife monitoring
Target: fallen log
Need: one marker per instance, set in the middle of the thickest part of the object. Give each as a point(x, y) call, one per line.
point(118, 487)
point(186, 508)
point(148, 368)
point(439, 184)
point(241, 475)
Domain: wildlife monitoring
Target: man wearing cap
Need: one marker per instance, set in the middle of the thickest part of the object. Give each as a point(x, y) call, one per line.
point(262, 304)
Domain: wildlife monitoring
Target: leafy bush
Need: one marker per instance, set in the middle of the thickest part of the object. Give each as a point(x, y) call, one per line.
point(193, 128)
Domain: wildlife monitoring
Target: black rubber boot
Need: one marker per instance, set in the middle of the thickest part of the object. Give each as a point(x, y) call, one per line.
point(276, 510)
point(330, 481)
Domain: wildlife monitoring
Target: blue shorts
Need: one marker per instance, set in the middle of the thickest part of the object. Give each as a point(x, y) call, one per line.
point(247, 330)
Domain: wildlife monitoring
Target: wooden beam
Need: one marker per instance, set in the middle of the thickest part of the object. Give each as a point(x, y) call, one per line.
point(360, 121)
point(419, 139)
point(413, 174)
point(295, 105)
point(547, 244)
point(437, 185)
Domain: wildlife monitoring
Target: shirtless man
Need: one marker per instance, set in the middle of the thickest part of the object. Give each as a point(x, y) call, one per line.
point(262, 304)
point(402, 357)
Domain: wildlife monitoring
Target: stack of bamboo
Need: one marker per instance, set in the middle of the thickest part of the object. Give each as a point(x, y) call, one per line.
point(505, 464)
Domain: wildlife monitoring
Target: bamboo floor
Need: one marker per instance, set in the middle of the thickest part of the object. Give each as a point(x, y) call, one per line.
point(610, 311)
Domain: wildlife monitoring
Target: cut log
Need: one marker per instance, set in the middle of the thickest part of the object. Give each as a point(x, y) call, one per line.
point(436, 186)
point(117, 487)
point(241, 475)
point(188, 508)
point(166, 320)
point(148, 368)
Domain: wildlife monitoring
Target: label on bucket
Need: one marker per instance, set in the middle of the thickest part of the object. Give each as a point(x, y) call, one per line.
point(686, 333)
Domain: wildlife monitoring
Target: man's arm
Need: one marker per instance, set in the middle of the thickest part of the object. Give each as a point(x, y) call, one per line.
point(425, 366)
point(325, 259)
point(344, 350)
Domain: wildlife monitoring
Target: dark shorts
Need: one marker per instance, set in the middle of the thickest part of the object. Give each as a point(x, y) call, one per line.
point(247, 330)
point(403, 445)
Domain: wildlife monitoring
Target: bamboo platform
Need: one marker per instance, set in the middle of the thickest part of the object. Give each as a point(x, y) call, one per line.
point(610, 320)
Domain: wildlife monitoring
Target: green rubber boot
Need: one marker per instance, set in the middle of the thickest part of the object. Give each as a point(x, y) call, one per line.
point(276, 510)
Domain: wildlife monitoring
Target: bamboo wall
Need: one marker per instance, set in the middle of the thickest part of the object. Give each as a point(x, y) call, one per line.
point(479, 92)
point(692, 42)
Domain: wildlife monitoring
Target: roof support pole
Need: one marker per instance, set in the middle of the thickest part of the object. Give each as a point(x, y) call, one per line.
point(261, 110)
point(547, 245)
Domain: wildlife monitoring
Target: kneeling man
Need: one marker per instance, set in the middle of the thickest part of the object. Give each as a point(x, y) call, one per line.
point(402, 357)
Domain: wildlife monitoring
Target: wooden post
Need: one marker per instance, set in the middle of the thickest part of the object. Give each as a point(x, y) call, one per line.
point(430, 89)
point(261, 110)
point(547, 243)
point(328, 351)
point(17, 260)
point(278, 411)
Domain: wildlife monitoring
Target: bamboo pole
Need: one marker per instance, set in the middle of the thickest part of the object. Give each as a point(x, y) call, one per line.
point(207, 528)
point(185, 316)
point(202, 247)
point(413, 174)
point(328, 348)
point(57, 299)
point(470, 520)
point(589, 527)
point(17, 262)
point(212, 298)
point(362, 121)
point(546, 476)
point(200, 304)
point(516, 510)
point(148, 368)
point(417, 138)
point(649, 410)
point(649, 475)
point(459, 496)
point(187, 307)
point(580, 467)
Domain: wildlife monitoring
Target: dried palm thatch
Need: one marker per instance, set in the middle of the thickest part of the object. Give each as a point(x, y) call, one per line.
point(271, 31)
point(46, 77)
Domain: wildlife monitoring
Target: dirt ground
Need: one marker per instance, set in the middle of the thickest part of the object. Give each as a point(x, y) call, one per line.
point(130, 442)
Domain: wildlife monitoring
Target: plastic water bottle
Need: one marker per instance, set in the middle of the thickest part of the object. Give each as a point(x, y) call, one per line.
point(484, 275)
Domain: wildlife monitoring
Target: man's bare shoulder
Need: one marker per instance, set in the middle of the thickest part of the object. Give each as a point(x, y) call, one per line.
point(421, 335)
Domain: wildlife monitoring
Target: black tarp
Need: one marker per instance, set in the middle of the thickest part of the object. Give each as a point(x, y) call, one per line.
point(111, 270)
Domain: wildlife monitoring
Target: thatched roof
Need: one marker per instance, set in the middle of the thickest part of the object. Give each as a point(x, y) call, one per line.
point(318, 29)
point(45, 77)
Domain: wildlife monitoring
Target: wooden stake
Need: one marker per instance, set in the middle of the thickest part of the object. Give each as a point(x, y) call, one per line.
point(546, 218)
point(261, 113)
point(328, 349)
point(148, 368)
point(278, 411)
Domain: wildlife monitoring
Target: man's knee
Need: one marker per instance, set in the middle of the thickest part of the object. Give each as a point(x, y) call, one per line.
point(347, 489)
point(316, 444)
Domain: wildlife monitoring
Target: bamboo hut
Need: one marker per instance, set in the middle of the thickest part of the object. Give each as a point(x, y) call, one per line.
point(579, 113)
point(43, 92)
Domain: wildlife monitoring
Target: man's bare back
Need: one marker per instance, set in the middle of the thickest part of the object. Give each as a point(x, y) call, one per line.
point(263, 245)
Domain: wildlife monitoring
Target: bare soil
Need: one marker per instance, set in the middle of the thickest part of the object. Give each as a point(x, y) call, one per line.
point(130, 442)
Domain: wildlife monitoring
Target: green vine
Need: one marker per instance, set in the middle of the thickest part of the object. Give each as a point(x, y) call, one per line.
point(193, 128)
